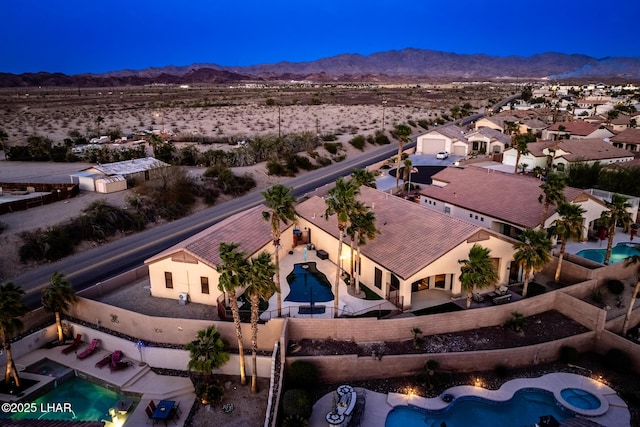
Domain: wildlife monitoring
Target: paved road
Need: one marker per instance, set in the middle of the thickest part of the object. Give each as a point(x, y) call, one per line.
point(87, 268)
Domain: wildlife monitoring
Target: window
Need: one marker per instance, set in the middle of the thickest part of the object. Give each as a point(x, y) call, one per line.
point(204, 285)
point(168, 279)
point(447, 210)
point(482, 218)
point(377, 277)
point(440, 281)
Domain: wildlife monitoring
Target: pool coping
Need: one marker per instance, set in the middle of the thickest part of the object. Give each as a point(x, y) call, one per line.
point(613, 410)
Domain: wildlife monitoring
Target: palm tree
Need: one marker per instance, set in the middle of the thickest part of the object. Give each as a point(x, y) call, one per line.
point(342, 202)
point(57, 298)
point(520, 144)
point(553, 194)
point(362, 228)
point(207, 352)
point(233, 271)
point(617, 214)
point(364, 177)
point(11, 308)
point(261, 287)
point(567, 226)
point(631, 260)
point(99, 121)
point(477, 272)
point(401, 132)
point(533, 251)
point(280, 202)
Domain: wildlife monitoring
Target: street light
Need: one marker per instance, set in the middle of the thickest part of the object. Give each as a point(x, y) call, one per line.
point(384, 104)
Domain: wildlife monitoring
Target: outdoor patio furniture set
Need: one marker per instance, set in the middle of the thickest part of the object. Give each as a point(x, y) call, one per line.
point(163, 411)
point(114, 360)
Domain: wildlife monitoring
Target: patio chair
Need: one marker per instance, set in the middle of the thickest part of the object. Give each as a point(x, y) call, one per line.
point(104, 361)
point(152, 405)
point(74, 345)
point(149, 413)
point(502, 290)
point(89, 350)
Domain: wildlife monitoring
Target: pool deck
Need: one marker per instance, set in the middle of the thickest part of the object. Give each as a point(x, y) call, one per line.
point(613, 411)
point(134, 379)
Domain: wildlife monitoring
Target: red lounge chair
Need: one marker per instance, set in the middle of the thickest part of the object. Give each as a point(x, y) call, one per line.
point(89, 350)
point(74, 345)
point(104, 361)
point(116, 362)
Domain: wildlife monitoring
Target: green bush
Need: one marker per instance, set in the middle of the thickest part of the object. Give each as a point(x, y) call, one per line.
point(302, 374)
point(616, 287)
point(331, 147)
point(358, 142)
point(296, 402)
point(569, 354)
point(516, 322)
point(211, 392)
point(294, 421)
point(274, 167)
point(618, 360)
point(323, 161)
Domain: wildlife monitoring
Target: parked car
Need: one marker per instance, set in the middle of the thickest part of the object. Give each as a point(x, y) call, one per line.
point(442, 155)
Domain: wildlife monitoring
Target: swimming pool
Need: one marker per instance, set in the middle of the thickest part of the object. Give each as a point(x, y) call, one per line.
point(308, 285)
point(580, 398)
point(618, 253)
point(49, 368)
point(75, 399)
point(524, 408)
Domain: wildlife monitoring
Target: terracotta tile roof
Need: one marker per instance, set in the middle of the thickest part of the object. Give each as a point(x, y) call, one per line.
point(580, 149)
point(247, 228)
point(452, 131)
point(492, 134)
point(535, 124)
point(631, 135)
point(500, 119)
point(505, 196)
point(411, 236)
point(578, 127)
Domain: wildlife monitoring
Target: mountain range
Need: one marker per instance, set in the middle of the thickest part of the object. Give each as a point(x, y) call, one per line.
point(409, 65)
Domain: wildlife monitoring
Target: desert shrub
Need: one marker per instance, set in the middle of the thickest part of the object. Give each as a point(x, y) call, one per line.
point(358, 142)
point(213, 171)
point(210, 194)
point(294, 421)
point(432, 365)
point(501, 371)
point(331, 147)
point(302, 374)
point(412, 123)
point(296, 402)
point(304, 162)
point(616, 287)
point(329, 137)
point(340, 158)
point(423, 124)
point(211, 392)
point(431, 377)
point(229, 183)
point(569, 354)
point(418, 340)
point(516, 322)
point(617, 360)
point(597, 295)
point(274, 167)
point(51, 244)
point(323, 161)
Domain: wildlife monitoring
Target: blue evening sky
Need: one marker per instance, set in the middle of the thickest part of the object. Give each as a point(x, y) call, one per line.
point(81, 36)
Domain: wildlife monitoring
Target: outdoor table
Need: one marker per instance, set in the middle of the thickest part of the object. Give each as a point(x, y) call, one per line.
point(334, 419)
point(345, 389)
point(124, 405)
point(162, 410)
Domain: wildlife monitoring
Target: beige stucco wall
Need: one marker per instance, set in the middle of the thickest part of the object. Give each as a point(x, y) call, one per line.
point(488, 124)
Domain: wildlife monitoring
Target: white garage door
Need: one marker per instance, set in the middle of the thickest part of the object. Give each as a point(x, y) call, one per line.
point(431, 145)
point(459, 150)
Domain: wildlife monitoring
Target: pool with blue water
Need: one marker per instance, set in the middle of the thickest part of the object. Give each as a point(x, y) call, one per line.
point(618, 253)
point(308, 285)
point(523, 409)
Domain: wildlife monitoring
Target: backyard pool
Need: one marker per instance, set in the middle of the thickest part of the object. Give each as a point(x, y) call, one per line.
point(308, 285)
point(75, 399)
point(524, 408)
point(49, 368)
point(618, 253)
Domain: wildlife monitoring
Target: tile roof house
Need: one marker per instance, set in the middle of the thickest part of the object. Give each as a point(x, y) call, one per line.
point(189, 267)
point(575, 130)
point(487, 140)
point(497, 122)
point(503, 202)
point(447, 138)
point(561, 154)
point(417, 248)
point(629, 139)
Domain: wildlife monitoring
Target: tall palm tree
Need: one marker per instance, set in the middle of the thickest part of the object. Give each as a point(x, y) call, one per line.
point(616, 214)
point(567, 226)
point(363, 228)
point(207, 352)
point(233, 272)
point(11, 308)
point(261, 287)
point(477, 271)
point(631, 260)
point(533, 251)
point(57, 298)
point(281, 204)
point(364, 177)
point(342, 202)
point(553, 194)
point(99, 121)
point(401, 132)
point(520, 144)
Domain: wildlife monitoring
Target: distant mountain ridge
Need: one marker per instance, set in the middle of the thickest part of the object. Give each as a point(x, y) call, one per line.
point(395, 65)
